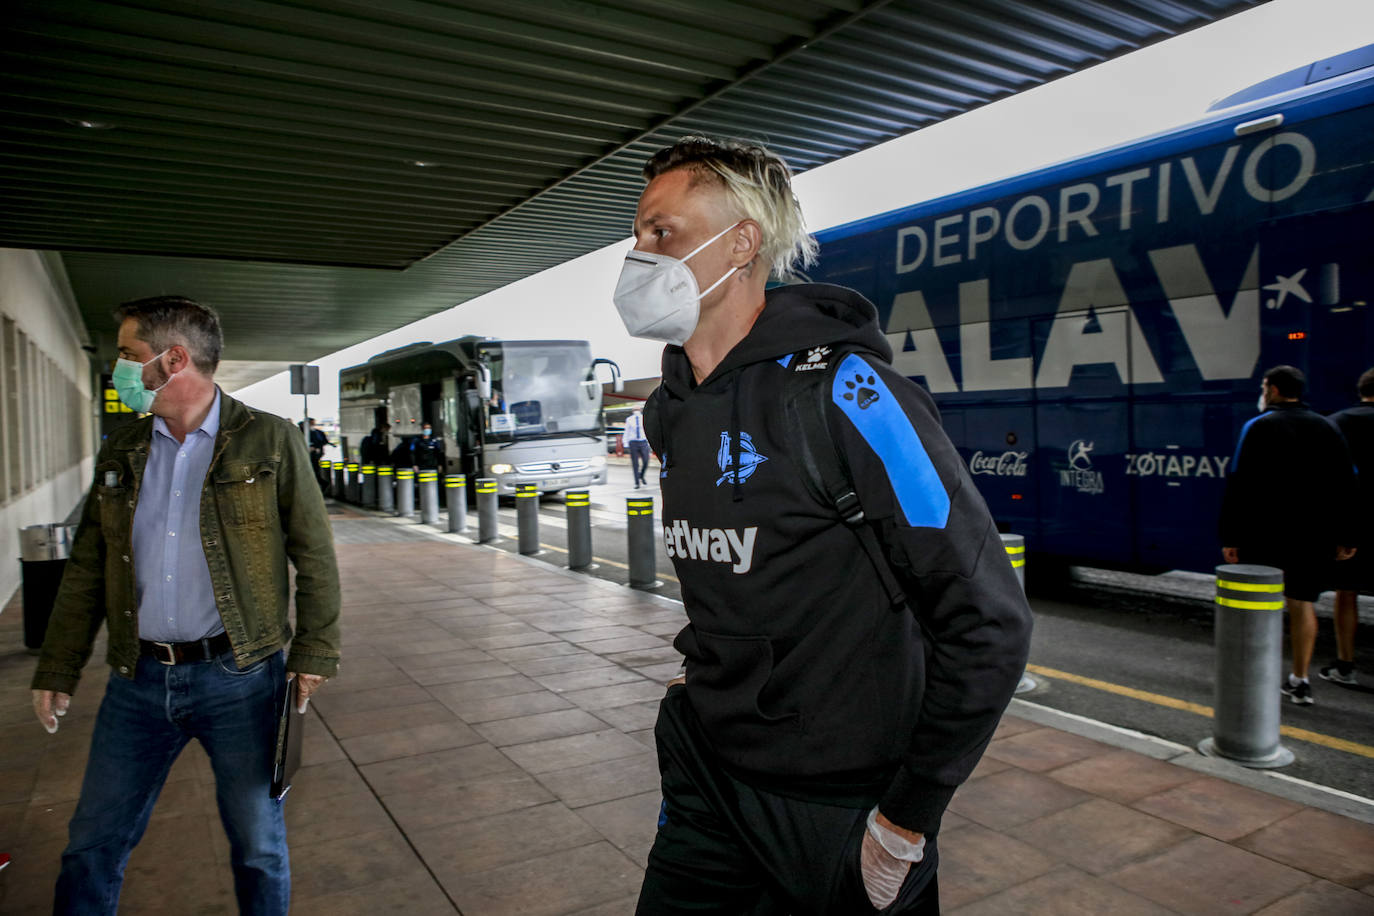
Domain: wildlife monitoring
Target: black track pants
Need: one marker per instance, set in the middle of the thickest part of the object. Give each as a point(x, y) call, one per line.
point(724, 847)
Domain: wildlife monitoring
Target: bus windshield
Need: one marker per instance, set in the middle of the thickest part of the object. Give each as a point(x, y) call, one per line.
point(543, 389)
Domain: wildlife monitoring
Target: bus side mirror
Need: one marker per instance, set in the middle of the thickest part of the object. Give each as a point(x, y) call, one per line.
point(484, 383)
point(617, 383)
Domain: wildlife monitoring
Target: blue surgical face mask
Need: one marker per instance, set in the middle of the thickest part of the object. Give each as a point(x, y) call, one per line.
point(127, 379)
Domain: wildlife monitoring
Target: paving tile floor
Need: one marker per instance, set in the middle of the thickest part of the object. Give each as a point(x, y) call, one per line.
point(487, 749)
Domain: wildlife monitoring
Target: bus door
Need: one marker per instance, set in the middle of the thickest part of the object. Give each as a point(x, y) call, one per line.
point(1082, 423)
point(1176, 468)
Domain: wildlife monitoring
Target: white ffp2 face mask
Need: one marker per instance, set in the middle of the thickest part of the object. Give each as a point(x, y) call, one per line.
point(657, 296)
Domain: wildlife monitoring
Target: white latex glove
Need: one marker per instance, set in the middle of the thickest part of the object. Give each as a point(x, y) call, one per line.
point(884, 860)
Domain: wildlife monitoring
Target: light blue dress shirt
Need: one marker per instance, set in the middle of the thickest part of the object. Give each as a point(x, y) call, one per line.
point(176, 601)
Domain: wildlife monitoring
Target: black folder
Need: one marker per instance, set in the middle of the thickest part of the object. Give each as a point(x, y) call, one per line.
point(290, 731)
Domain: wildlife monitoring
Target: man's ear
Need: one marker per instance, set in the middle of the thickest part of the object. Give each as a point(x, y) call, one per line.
point(746, 239)
point(178, 357)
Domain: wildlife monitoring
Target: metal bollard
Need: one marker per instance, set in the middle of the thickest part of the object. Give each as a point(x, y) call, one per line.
point(527, 517)
point(429, 497)
point(579, 503)
point(642, 550)
point(354, 484)
point(339, 491)
point(405, 492)
point(486, 510)
point(369, 472)
point(326, 472)
point(457, 487)
point(1015, 546)
point(1249, 641)
point(386, 488)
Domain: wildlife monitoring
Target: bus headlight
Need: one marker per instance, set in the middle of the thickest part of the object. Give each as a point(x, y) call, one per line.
point(500, 469)
point(598, 461)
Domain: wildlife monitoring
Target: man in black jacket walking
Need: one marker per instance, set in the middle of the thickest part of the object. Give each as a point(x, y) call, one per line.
point(818, 732)
point(1356, 574)
point(1287, 504)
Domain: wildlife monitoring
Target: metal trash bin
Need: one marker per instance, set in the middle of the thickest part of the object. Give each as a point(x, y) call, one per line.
point(43, 552)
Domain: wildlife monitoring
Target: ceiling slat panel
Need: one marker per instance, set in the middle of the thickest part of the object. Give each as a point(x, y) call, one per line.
point(340, 167)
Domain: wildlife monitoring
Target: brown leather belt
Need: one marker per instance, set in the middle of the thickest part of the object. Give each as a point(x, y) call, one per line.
point(176, 653)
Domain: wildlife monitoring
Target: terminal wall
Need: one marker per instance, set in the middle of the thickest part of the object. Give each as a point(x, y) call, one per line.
point(47, 411)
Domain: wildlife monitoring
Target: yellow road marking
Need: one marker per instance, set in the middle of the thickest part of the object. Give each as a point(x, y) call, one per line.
point(1288, 731)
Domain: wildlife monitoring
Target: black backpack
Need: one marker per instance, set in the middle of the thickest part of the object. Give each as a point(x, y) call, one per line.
point(806, 403)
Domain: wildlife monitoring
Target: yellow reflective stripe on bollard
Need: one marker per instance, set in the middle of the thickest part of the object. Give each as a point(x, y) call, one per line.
point(369, 470)
point(427, 476)
point(486, 487)
point(639, 507)
point(352, 468)
point(1250, 586)
point(405, 475)
point(1017, 564)
point(325, 464)
point(1021, 549)
point(451, 482)
point(386, 470)
point(1250, 605)
point(576, 502)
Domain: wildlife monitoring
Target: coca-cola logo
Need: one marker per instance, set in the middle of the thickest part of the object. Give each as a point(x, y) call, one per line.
point(1007, 464)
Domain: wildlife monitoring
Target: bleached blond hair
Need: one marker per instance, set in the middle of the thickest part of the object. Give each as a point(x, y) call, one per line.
point(758, 184)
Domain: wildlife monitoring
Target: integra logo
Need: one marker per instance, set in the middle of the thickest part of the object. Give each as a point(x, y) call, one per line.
point(716, 545)
point(1080, 474)
point(1007, 464)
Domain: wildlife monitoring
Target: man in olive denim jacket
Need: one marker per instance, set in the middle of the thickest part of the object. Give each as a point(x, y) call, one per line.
point(182, 552)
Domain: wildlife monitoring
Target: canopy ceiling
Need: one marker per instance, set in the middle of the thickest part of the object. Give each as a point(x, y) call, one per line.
point(323, 171)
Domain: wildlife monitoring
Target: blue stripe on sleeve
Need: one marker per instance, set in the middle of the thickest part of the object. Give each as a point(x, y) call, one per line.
point(1235, 459)
point(875, 413)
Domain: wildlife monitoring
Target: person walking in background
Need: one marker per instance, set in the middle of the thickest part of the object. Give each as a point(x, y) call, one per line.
point(427, 451)
point(638, 446)
point(318, 443)
point(840, 682)
point(374, 449)
point(182, 554)
point(1289, 503)
point(1355, 575)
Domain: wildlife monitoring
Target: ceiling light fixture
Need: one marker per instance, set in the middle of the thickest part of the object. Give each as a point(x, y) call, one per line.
point(423, 163)
point(89, 125)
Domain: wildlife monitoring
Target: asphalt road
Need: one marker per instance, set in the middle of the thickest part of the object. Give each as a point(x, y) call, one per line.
point(1119, 649)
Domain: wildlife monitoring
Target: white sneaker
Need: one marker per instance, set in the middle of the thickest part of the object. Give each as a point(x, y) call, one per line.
point(1333, 673)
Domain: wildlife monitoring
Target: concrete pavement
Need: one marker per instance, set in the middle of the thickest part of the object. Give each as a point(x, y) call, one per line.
point(487, 749)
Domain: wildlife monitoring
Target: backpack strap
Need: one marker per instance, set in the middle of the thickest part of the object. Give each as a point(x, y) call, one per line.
point(810, 375)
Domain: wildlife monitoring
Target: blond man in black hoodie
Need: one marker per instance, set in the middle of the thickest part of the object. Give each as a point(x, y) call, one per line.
point(823, 722)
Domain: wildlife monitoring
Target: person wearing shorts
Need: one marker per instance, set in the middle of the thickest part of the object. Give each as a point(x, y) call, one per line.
point(1290, 494)
point(1355, 576)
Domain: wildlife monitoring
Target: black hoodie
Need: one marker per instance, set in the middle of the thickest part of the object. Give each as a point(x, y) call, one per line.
point(804, 679)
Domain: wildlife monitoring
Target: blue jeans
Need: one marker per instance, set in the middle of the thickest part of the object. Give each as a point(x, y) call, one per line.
point(142, 726)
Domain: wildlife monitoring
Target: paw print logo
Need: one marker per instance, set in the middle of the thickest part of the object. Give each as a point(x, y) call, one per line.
point(859, 391)
point(817, 354)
